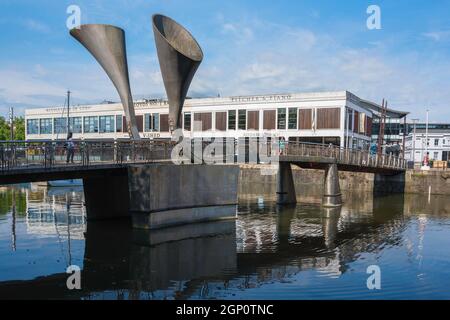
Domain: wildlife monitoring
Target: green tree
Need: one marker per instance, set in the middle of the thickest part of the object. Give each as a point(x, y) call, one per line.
point(19, 129)
point(4, 129)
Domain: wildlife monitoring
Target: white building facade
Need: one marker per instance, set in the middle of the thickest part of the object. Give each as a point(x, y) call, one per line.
point(340, 118)
point(438, 146)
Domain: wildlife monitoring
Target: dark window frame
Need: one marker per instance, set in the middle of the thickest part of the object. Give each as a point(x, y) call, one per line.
point(281, 124)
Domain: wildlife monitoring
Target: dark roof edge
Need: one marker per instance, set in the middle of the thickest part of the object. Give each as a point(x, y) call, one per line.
point(390, 112)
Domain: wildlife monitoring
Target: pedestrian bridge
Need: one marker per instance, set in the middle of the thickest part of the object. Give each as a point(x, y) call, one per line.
point(320, 156)
point(46, 160)
point(111, 170)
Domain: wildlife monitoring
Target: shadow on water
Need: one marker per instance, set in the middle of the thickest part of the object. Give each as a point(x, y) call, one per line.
point(266, 244)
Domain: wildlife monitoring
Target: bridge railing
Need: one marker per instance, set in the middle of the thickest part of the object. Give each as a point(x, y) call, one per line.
point(345, 156)
point(49, 154)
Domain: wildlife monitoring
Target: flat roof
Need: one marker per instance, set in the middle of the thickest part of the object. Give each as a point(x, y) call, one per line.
point(431, 131)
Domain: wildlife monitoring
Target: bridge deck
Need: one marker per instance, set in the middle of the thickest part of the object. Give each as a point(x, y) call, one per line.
point(46, 160)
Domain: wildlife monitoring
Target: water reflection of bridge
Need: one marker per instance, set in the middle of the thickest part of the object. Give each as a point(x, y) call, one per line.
point(195, 260)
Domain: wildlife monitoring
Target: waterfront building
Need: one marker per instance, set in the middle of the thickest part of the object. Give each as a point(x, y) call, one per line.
point(340, 118)
point(438, 144)
point(394, 131)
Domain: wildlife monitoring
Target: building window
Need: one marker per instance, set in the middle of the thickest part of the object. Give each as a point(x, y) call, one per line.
point(119, 123)
point(232, 120)
point(362, 124)
point(90, 124)
point(187, 121)
point(151, 122)
point(292, 124)
point(281, 119)
point(33, 126)
point(106, 124)
point(147, 122)
point(155, 122)
point(436, 155)
point(60, 125)
point(242, 121)
point(436, 142)
point(76, 125)
point(46, 126)
point(350, 120)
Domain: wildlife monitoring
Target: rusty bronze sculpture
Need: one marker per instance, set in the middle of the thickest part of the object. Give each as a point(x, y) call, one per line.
point(179, 57)
point(107, 44)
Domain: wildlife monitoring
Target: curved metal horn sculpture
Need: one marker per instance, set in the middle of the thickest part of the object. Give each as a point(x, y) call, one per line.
point(179, 57)
point(107, 44)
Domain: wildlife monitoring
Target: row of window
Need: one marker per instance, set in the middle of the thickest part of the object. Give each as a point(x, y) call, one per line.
point(359, 122)
point(279, 119)
point(436, 141)
point(91, 124)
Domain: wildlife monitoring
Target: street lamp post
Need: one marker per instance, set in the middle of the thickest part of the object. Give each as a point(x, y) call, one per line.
point(11, 123)
point(414, 140)
point(426, 165)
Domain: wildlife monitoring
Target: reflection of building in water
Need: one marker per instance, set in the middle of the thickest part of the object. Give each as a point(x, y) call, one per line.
point(296, 239)
point(56, 212)
point(266, 245)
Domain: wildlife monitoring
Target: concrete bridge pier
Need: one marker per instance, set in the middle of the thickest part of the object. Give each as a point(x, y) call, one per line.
point(285, 185)
point(170, 195)
point(332, 196)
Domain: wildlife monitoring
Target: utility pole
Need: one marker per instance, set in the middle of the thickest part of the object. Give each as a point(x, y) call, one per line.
point(11, 123)
point(382, 127)
point(414, 140)
point(405, 129)
point(68, 113)
point(426, 134)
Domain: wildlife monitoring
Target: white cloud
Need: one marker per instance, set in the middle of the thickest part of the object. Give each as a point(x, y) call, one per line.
point(240, 34)
point(280, 58)
point(36, 26)
point(437, 36)
point(256, 57)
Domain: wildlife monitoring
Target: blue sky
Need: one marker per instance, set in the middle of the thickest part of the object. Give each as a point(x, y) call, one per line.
point(251, 47)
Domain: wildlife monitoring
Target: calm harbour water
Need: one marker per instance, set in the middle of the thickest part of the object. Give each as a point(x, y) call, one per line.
point(302, 252)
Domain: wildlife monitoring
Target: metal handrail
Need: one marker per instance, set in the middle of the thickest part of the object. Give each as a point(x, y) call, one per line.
point(48, 154)
point(345, 156)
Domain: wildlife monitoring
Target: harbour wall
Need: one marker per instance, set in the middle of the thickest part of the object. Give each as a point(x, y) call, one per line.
point(261, 181)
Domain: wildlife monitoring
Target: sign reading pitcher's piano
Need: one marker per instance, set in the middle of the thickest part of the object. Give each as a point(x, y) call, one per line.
point(268, 98)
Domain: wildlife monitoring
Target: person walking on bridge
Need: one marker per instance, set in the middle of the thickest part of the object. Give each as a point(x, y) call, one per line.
point(282, 146)
point(70, 146)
